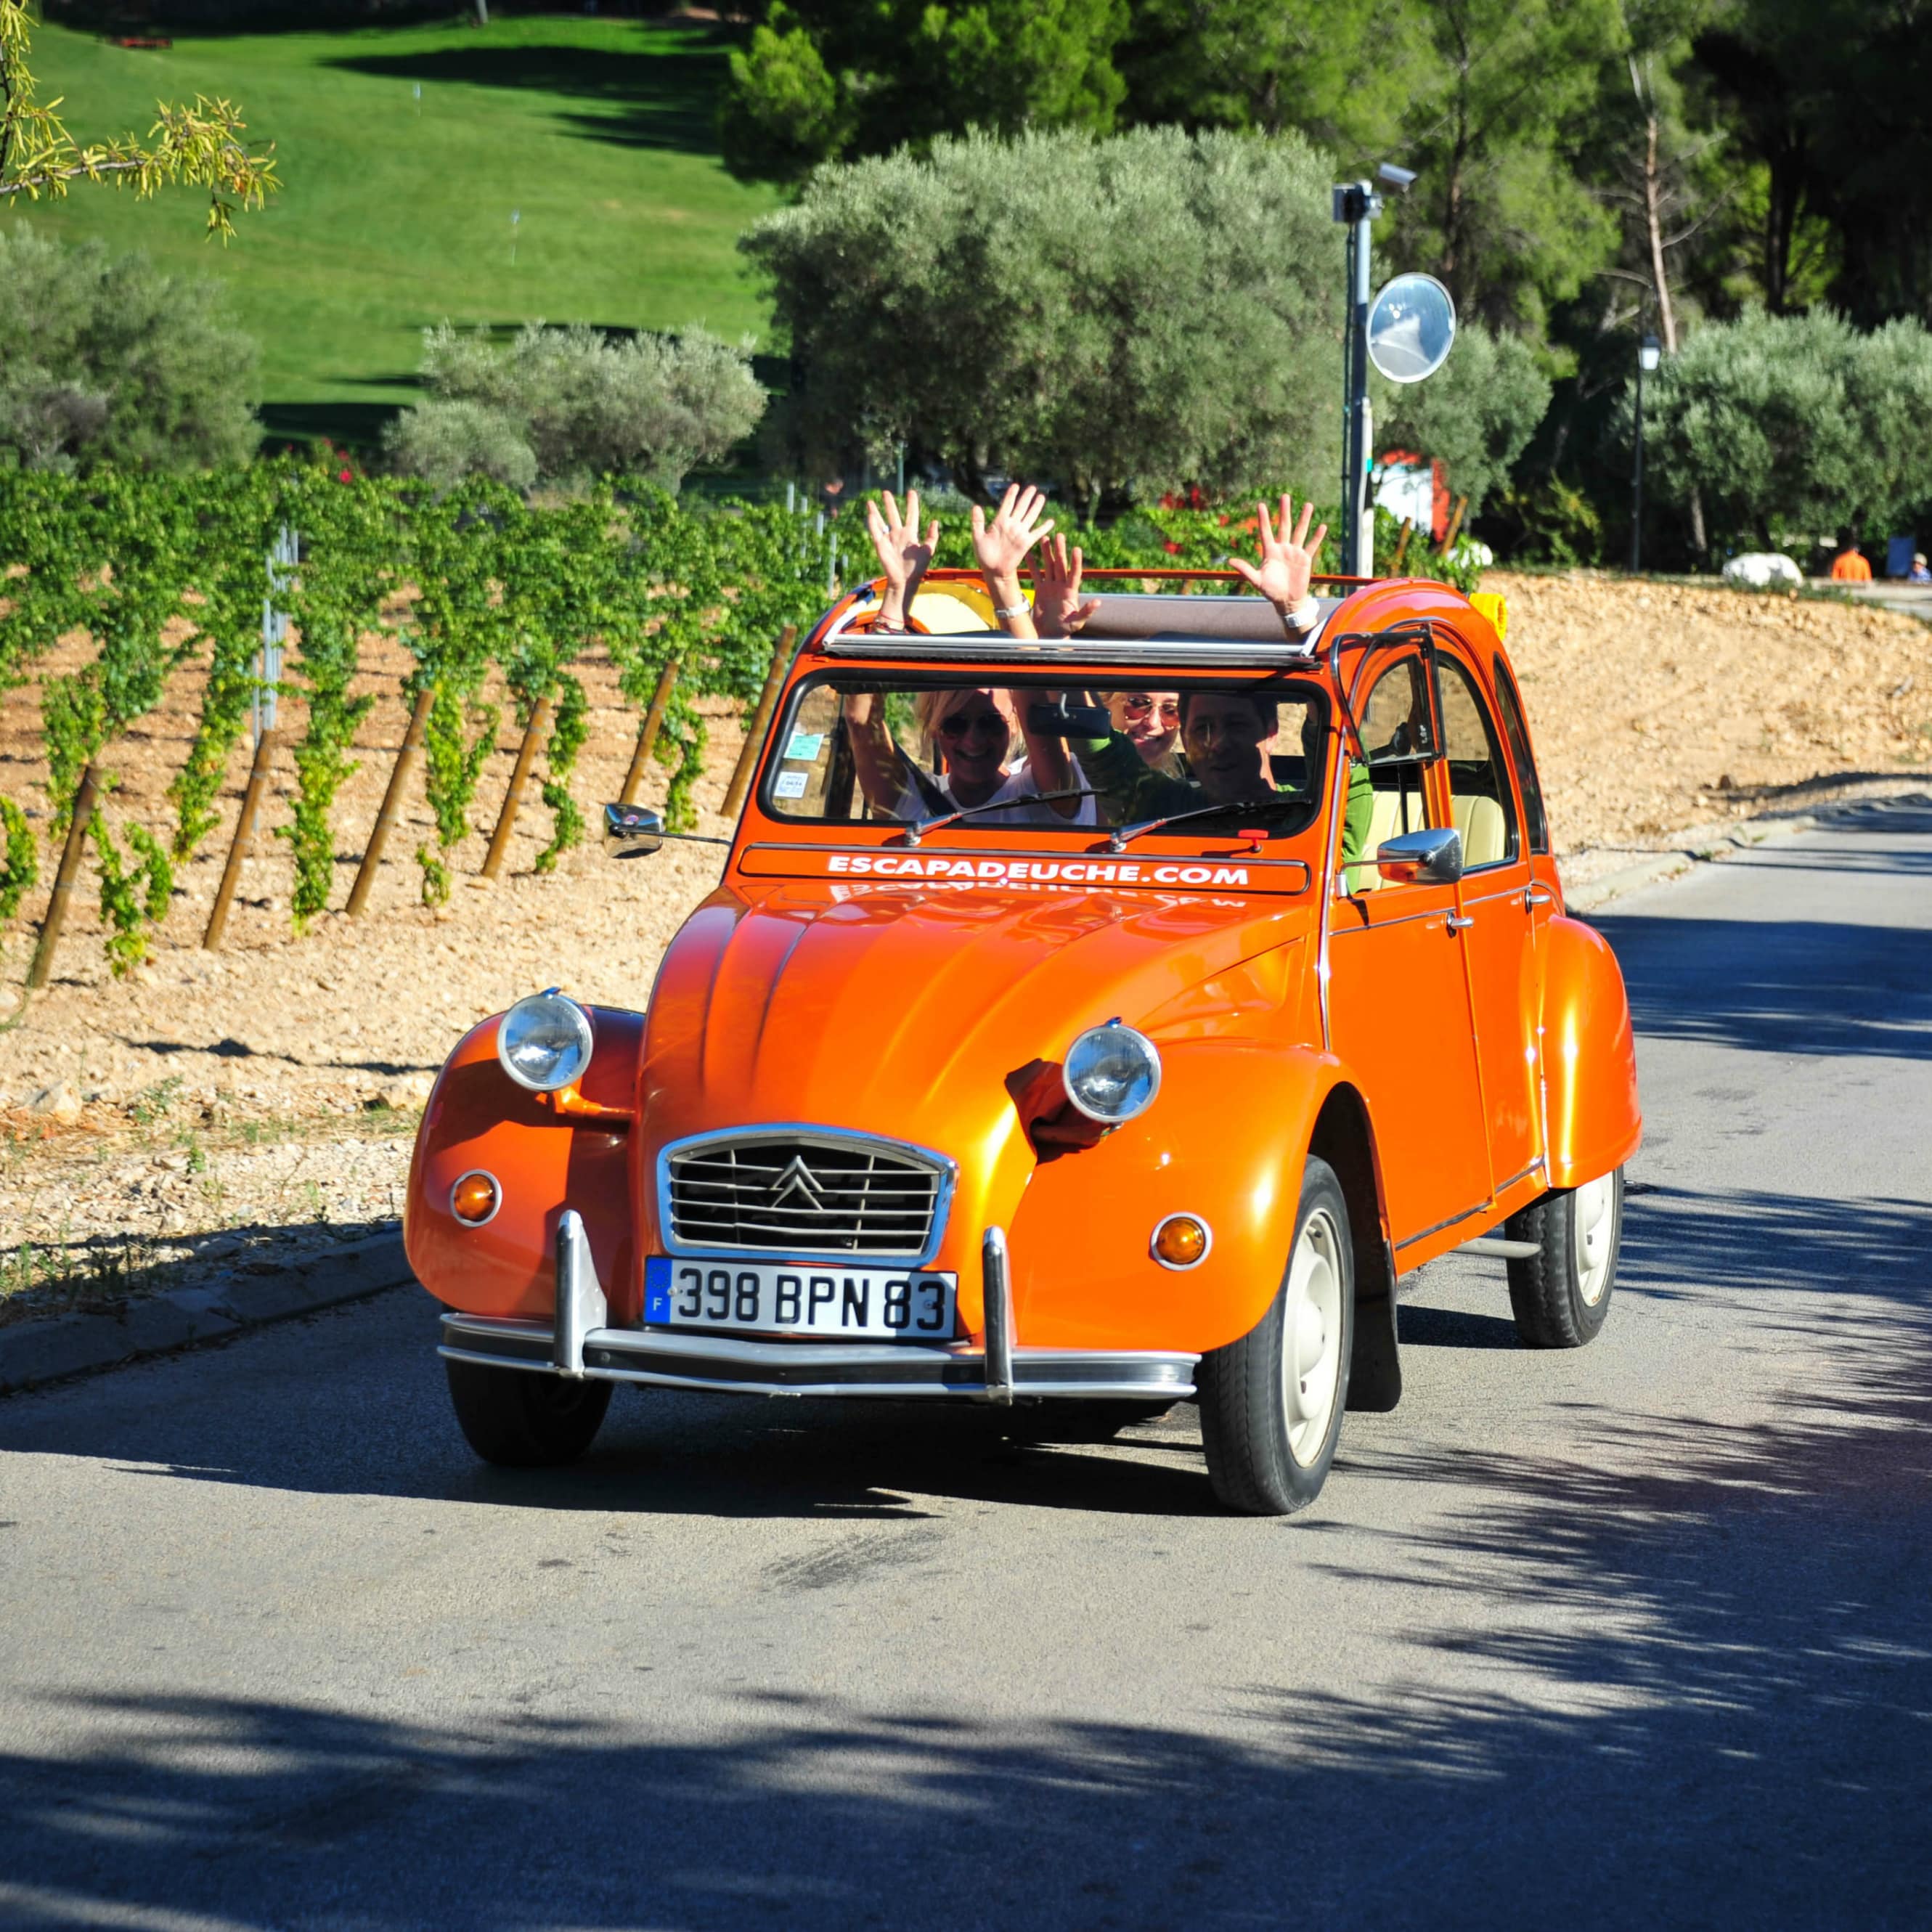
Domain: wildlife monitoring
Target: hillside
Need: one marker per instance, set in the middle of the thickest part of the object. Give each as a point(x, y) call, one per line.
point(396, 210)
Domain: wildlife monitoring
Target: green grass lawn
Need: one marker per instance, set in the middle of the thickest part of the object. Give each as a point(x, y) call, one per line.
point(395, 211)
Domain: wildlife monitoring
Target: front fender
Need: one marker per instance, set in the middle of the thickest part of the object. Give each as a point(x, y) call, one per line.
point(1224, 1141)
point(543, 1161)
point(1592, 1122)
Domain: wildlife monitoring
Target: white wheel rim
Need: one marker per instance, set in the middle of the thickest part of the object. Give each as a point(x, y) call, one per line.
point(1311, 1337)
point(1593, 1227)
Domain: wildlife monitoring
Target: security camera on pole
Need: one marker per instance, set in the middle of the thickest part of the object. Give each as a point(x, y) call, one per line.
point(1406, 333)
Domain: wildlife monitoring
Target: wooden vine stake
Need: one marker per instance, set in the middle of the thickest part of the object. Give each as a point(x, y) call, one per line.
point(1455, 525)
point(513, 799)
point(647, 738)
point(392, 801)
point(761, 722)
point(1402, 545)
point(244, 844)
point(70, 867)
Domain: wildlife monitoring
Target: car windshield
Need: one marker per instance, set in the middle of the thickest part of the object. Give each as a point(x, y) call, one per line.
point(857, 749)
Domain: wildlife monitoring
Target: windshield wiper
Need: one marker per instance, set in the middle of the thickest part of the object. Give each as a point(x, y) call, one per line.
point(915, 831)
point(1118, 840)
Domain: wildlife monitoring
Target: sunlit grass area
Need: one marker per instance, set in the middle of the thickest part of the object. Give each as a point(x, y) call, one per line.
point(405, 152)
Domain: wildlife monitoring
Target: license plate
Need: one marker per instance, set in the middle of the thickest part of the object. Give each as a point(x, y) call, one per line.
point(798, 1298)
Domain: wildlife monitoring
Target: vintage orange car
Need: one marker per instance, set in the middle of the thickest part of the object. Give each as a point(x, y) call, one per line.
point(1091, 1096)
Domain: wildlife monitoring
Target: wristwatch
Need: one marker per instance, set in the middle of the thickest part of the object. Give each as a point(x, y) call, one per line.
point(1304, 617)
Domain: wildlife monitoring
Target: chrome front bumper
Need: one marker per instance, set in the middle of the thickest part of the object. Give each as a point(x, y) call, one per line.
point(580, 1343)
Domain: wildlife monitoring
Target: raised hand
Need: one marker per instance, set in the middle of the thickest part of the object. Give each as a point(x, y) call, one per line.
point(1057, 608)
point(1002, 545)
point(903, 557)
point(1287, 567)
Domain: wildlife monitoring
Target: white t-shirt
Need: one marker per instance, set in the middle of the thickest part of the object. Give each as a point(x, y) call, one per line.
point(913, 803)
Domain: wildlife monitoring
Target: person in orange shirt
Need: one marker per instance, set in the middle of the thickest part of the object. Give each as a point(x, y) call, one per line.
point(1849, 566)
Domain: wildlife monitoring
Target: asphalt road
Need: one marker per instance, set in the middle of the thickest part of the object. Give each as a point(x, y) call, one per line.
point(1641, 1634)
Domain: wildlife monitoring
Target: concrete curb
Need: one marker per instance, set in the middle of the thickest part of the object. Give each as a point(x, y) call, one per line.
point(1599, 891)
point(64, 1345)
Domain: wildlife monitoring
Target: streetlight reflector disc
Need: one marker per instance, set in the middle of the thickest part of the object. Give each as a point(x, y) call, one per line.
point(1412, 325)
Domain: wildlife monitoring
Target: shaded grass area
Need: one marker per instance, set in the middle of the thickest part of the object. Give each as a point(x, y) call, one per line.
point(395, 211)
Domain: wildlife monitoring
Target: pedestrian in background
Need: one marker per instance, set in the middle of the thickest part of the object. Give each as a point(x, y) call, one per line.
point(1849, 566)
point(1919, 573)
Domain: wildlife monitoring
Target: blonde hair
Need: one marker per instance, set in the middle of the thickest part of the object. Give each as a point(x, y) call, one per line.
point(934, 705)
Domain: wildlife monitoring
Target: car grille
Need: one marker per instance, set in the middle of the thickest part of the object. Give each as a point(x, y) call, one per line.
point(790, 1196)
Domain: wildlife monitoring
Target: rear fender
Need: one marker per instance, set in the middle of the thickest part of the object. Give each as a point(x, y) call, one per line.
point(1592, 1122)
point(1224, 1140)
point(543, 1160)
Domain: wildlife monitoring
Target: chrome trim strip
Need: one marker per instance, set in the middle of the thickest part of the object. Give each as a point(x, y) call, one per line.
point(999, 1295)
point(1422, 1233)
point(666, 1358)
point(1502, 1187)
point(1442, 912)
point(995, 647)
point(1500, 1247)
point(945, 1169)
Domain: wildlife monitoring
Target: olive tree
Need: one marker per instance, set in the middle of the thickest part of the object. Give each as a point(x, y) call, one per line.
point(105, 359)
point(561, 403)
point(1123, 316)
point(1476, 414)
point(1792, 422)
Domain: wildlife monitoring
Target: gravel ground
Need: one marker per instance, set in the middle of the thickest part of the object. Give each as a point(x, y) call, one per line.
point(233, 1106)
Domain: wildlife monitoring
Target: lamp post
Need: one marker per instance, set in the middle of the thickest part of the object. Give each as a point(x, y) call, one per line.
point(1649, 353)
point(1357, 204)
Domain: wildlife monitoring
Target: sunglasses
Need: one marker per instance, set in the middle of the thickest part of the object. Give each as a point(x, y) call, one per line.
point(1139, 703)
point(986, 724)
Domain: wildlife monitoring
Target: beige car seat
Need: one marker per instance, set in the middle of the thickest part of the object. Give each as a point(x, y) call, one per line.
point(1484, 830)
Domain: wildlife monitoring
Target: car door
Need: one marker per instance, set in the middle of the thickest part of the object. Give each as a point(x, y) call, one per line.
point(1398, 1000)
point(1499, 938)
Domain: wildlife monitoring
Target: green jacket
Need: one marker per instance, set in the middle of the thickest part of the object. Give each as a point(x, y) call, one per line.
point(1131, 789)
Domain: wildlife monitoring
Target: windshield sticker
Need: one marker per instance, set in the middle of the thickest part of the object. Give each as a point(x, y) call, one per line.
point(791, 784)
point(957, 869)
point(805, 744)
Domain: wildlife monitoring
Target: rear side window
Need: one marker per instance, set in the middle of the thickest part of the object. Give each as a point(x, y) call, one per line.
point(1511, 708)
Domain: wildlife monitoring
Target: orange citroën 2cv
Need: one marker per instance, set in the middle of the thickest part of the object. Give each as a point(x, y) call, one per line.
point(1094, 1098)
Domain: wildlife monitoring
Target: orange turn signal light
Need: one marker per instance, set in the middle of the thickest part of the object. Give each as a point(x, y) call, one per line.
point(475, 1198)
point(1181, 1240)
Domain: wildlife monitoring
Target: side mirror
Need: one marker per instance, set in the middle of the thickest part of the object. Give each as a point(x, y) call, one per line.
point(631, 831)
point(1432, 858)
point(1063, 720)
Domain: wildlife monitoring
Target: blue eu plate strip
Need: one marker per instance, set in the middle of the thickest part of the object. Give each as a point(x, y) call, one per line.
point(657, 1288)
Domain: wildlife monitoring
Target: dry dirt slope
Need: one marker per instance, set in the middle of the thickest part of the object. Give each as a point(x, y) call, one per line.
point(228, 1100)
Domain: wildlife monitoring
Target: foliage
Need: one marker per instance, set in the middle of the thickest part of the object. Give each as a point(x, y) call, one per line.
point(569, 402)
point(353, 540)
point(133, 897)
point(1792, 422)
point(1546, 521)
point(199, 146)
point(821, 79)
point(20, 860)
point(571, 727)
point(1125, 316)
point(1475, 414)
point(106, 359)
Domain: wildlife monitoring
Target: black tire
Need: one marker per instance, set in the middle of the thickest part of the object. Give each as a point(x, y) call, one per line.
point(1246, 1426)
point(1561, 1295)
point(521, 1419)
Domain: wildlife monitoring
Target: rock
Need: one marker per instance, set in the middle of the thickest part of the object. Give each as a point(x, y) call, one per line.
point(59, 1102)
point(1761, 570)
point(404, 1094)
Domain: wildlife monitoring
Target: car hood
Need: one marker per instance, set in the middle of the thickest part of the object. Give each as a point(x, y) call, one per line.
point(905, 1011)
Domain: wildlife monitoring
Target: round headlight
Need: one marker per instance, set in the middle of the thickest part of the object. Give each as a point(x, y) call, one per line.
point(1112, 1073)
point(545, 1043)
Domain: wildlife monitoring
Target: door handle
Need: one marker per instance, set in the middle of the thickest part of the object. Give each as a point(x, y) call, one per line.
point(1534, 895)
point(1457, 922)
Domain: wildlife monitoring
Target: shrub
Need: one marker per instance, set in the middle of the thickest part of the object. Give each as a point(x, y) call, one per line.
point(563, 403)
point(104, 359)
point(1125, 316)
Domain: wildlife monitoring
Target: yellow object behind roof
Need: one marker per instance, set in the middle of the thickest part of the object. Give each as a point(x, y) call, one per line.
point(1492, 604)
point(955, 605)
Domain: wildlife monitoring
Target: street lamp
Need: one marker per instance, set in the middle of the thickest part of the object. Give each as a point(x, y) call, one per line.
point(1649, 353)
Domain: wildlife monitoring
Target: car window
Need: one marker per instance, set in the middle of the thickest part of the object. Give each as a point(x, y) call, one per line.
point(856, 747)
point(1479, 786)
point(1397, 735)
point(1515, 731)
